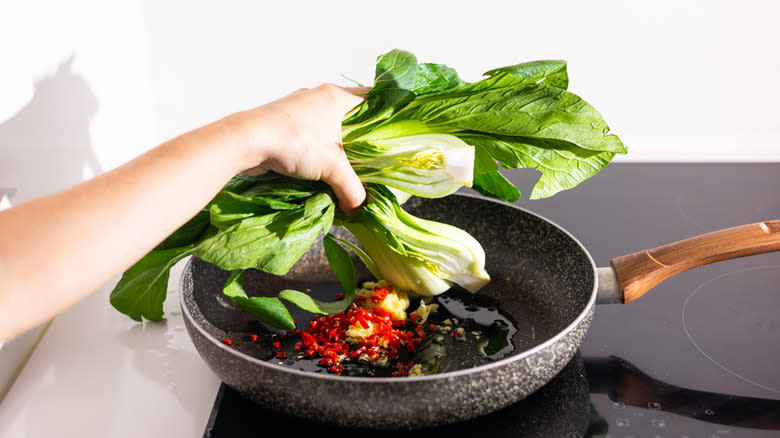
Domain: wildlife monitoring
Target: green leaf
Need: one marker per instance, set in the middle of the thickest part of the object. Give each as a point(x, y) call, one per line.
point(497, 340)
point(432, 78)
point(483, 161)
point(228, 208)
point(518, 116)
point(537, 111)
point(379, 106)
point(144, 286)
point(563, 165)
point(395, 69)
point(233, 286)
point(196, 228)
point(551, 73)
point(399, 69)
point(498, 81)
point(239, 182)
point(494, 184)
point(309, 304)
point(398, 79)
point(597, 425)
point(398, 128)
point(271, 242)
point(365, 258)
point(189, 233)
point(341, 264)
point(282, 188)
point(269, 310)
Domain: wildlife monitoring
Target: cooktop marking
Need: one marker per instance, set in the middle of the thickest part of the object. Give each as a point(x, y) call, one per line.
point(701, 350)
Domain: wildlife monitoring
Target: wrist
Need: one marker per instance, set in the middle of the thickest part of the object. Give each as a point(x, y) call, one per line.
point(248, 137)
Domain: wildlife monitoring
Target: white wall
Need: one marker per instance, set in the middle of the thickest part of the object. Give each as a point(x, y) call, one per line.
point(86, 85)
point(692, 81)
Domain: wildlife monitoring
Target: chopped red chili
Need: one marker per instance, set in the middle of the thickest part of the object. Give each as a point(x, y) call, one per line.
point(227, 341)
point(380, 293)
point(326, 336)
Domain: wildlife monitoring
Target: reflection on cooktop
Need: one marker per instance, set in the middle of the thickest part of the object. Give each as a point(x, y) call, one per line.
point(563, 408)
point(560, 408)
point(626, 385)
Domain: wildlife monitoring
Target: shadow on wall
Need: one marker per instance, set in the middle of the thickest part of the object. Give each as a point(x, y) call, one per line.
point(46, 147)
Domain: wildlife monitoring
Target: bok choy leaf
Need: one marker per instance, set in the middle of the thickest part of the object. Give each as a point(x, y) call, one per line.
point(421, 131)
point(426, 165)
point(522, 110)
point(416, 254)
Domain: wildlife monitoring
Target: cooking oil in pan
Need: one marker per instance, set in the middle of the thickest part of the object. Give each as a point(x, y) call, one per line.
point(466, 331)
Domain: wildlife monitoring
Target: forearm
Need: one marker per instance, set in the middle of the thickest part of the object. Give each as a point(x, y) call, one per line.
point(57, 249)
point(86, 235)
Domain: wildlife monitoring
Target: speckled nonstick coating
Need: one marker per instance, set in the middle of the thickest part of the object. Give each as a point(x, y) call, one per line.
point(541, 275)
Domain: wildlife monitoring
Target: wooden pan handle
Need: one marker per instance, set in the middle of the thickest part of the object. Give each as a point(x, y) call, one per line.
point(639, 272)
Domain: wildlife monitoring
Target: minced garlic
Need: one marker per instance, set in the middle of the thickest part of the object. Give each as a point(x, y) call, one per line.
point(382, 295)
point(356, 332)
point(423, 311)
point(416, 371)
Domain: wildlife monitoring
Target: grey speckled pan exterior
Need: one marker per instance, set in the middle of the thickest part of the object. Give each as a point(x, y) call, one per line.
point(540, 275)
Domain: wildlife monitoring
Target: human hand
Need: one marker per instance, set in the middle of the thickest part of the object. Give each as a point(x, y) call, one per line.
point(299, 135)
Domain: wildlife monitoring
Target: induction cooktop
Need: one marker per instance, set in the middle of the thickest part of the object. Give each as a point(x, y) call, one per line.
point(698, 356)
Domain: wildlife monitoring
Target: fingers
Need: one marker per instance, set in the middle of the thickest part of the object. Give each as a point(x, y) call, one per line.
point(360, 91)
point(346, 97)
point(342, 178)
point(346, 185)
point(314, 117)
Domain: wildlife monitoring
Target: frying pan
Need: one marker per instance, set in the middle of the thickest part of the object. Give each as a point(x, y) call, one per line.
point(542, 278)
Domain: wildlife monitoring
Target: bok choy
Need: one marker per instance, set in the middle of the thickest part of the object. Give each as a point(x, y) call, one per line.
point(426, 165)
point(422, 131)
point(416, 254)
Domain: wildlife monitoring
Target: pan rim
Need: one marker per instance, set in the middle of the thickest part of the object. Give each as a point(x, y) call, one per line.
point(582, 316)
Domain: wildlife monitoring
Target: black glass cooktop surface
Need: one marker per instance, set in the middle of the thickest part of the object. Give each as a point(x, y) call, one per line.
point(697, 356)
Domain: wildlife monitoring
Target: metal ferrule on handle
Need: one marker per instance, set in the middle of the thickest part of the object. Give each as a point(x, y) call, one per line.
point(632, 275)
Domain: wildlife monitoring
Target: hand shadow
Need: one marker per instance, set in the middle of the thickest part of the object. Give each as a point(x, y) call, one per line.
point(45, 146)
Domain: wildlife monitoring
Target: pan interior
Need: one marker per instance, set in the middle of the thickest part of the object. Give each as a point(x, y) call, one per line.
point(541, 278)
